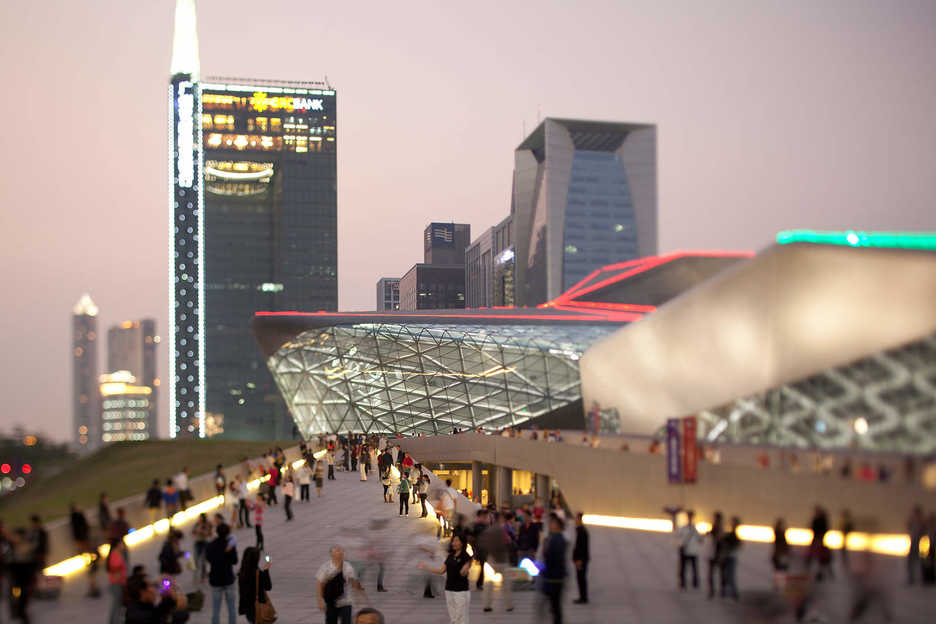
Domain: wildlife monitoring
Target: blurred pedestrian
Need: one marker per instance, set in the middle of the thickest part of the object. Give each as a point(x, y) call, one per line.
point(243, 512)
point(817, 549)
point(404, 490)
point(305, 481)
point(253, 583)
point(220, 481)
point(333, 578)
point(713, 553)
point(182, 484)
point(116, 566)
point(258, 508)
point(581, 555)
point(289, 489)
point(780, 555)
point(552, 576)
point(847, 526)
point(201, 533)
point(689, 544)
point(916, 527)
point(171, 499)
point(317, 475)
point(104, 514)
point(731, 544)
point(81, 533)
point(170, 553)
point(330, 458)
point(153, 500)
point(496, 544)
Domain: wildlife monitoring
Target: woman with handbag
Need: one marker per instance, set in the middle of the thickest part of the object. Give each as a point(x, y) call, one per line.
point(253, 584)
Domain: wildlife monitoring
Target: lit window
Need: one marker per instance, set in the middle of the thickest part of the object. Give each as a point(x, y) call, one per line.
point(276, 124)
point(206, 122)
point(214, 140)
point(262, 123)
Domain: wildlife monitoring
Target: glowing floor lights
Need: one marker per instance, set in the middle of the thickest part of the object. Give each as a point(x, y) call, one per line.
point(879, 543)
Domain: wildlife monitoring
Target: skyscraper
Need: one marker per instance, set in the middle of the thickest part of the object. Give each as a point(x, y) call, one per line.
point(489, 268)
point(85, 431)
point(253, 227)
point(584, 196)
point(131, 346)
point(439, 282)
point(126, 408)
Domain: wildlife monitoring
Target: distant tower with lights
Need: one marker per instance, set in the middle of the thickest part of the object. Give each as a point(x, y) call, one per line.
point(253, 226)
point(85, 434)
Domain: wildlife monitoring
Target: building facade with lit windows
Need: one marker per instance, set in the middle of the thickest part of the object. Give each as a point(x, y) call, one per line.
point(584, 196)
point(132, 346)
point(253, 227)
point(432, 371)
point(126, 408)
point(85, 431)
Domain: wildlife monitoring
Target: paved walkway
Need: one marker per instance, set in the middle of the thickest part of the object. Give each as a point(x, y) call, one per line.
point(632, 577)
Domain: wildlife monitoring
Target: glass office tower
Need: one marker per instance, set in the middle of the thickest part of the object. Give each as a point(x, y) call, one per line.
point(584, 196)
point(253, 228)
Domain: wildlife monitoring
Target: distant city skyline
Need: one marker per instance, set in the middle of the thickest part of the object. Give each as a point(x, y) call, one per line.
point(769, 116)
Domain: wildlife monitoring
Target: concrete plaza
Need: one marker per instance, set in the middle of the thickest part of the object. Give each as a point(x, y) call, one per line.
point(632, 577)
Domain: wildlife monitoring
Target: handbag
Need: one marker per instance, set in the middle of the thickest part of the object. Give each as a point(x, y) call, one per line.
point(264, 613)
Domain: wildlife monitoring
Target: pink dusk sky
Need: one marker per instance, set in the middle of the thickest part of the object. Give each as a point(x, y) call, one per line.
point(771, 115)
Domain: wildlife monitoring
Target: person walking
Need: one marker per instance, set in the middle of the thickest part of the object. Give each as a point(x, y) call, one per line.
point(220, 481)
point(330, 458)
point(496, 543)
point(581, 555)
point(455, 569)
point(222, 556)
point(333, 578)
point(713, 555)
point(424, 494)
point(817, 549)
point(385, 482)
point(243, 512)
point(181, 481)
point(153, 501)
point(201, 533)
point(104, 514)
point(731, 544)
point(116, 567)
point(253, 583)
point(847, 526)
point(305, 481)
point(404, 490)
point(317, 475)
point(780, 554)
point(689, 543)
point(259, 506)
point(552, 577)
point(362, 462)
point(171, 498)
point(289, 489)
point(81, 533)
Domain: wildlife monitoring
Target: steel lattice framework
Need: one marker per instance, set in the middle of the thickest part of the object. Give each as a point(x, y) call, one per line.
point(429, 379)
point(893, 392)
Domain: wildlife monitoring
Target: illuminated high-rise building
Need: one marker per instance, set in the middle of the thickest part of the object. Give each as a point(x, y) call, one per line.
point(85, 434)
point(131, 346)
point(253, 227)
point(126, 408)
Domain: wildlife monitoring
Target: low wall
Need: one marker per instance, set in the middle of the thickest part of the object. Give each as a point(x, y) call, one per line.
point(62, 546)
point(612, 482)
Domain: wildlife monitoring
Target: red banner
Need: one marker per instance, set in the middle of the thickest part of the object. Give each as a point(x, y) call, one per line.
point(690, 449)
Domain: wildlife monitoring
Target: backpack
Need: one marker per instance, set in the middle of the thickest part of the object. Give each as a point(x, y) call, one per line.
point(404, 486)
point(334, 589)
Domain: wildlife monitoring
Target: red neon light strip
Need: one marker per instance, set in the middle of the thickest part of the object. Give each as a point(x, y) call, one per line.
point(611, 315)
point(657, 261)
point(611, 267)
point(630, 307)
point(580, 316)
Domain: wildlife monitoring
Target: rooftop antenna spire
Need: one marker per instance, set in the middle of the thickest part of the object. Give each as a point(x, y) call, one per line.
point(185, 41)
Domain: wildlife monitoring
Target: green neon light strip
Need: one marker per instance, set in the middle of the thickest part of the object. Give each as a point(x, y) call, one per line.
point(852, 238)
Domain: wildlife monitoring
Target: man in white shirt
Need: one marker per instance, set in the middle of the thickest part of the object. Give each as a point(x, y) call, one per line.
point(447, 504)
point(689, 543)
point(334, 598)
point(305, 480)
point(182, 485)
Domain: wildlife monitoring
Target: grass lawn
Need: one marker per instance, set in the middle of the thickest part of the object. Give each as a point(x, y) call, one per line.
point(122, 469)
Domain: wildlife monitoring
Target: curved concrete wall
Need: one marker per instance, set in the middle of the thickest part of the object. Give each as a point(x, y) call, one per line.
point(617, 483)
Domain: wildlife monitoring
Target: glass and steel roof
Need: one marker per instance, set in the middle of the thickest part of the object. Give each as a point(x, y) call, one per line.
point(429, 378)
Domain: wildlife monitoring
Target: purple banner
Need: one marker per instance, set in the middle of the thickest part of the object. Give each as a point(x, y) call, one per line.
point(673, 455)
